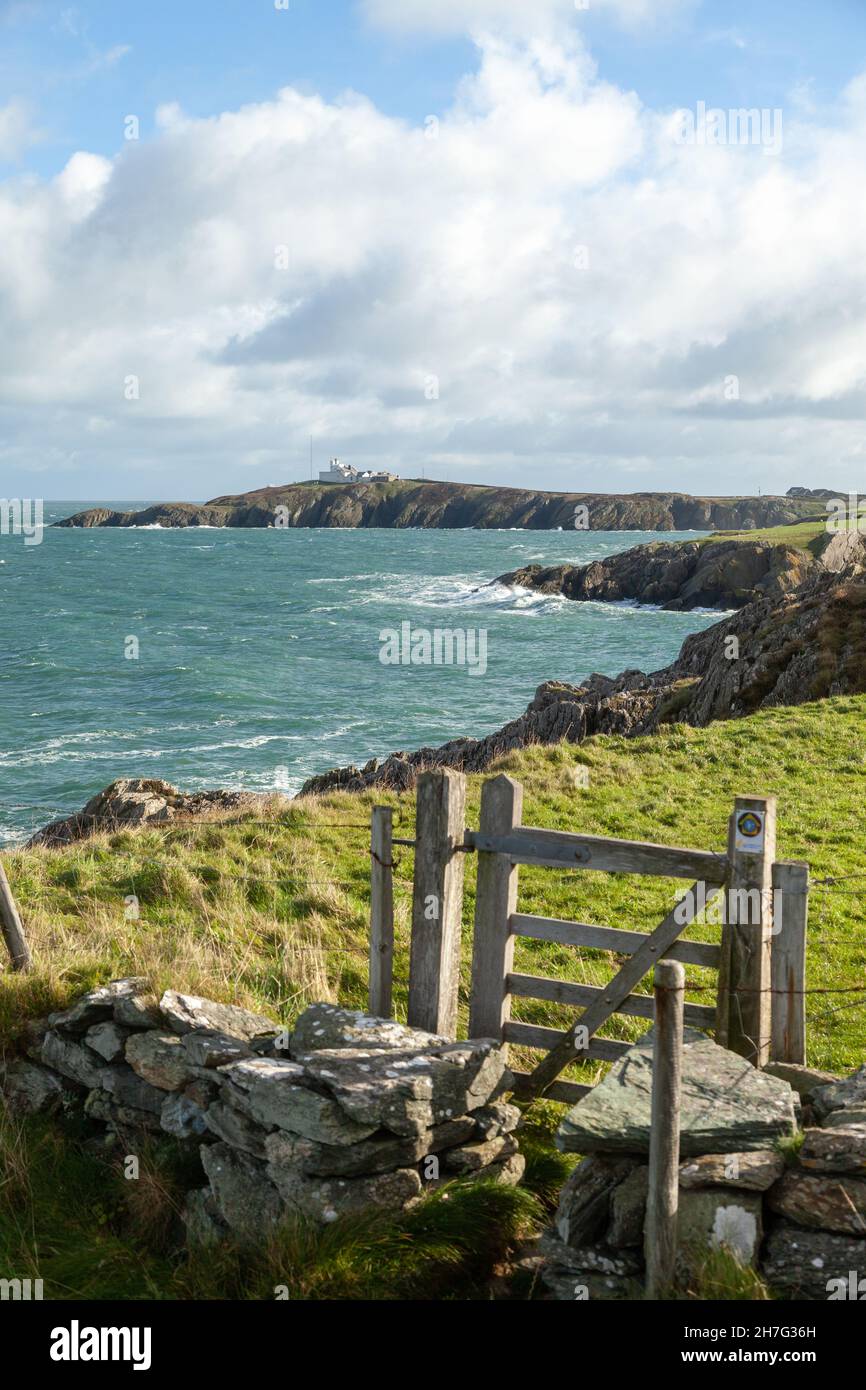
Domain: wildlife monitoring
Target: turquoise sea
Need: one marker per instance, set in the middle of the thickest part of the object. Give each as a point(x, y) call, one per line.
point(258, 658)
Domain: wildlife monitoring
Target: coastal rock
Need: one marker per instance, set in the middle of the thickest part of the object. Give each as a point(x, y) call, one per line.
point(578, 1273)
point(793, 647)
point(137, 1011)
point(727, 1105)
point(137, 801)
point(677, 575)
point(408, 502)
point(509, 1171)
point(590, 1259)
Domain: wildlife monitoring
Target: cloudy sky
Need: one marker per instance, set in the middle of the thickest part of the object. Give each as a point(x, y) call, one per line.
point(489, 239)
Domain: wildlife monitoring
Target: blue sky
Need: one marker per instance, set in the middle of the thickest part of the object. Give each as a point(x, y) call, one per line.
point(428, 314)
point(85, 66)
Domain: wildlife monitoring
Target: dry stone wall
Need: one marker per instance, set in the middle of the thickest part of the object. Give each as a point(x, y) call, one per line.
point(795, 1211)
point(344, 1113)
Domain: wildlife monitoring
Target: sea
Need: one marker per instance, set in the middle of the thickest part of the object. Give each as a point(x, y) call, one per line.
point(251, 659)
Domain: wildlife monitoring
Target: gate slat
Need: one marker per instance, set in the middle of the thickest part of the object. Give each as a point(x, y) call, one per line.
point(620, 987)
point(609, 939)
point(569, 1092)
point(533, 1035)
point(558, 849)
point(564, 992)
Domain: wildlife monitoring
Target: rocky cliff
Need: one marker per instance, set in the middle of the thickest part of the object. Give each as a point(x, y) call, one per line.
point(681, 575)
point(781, 649)
point(676, 574)
point(408, 503)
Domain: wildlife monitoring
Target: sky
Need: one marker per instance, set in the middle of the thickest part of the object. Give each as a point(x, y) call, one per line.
point(528, 242)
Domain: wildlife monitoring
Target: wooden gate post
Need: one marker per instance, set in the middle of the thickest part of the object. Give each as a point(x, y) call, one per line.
point(660, 1231)
point(788, 961)
point(437, 902)
point(13, 931)
point(744, 1017)
point(381, 912)
point(495, 901)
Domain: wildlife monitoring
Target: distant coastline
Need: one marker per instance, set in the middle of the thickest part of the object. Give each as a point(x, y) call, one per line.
point(406, 503)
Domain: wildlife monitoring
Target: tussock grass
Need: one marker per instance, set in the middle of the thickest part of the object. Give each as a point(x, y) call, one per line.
point(70, 1216)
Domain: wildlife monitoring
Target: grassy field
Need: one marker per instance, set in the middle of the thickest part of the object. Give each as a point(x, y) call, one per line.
point(271, 911)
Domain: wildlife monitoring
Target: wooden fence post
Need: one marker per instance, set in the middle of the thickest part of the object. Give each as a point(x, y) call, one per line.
point(13, 931)
point(437, 902)
point(660, 1232)
point(788, 961)
point(381, 912)
point(495, 901)
point(744, 1017)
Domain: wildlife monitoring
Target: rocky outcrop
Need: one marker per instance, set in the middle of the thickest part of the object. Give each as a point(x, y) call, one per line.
point(141, 801)
point(413, 502)
point(678, 575)
point(347, 1113)
point(786, 650)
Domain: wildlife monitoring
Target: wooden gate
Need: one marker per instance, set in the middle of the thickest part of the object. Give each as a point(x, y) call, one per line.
point(758, 1010)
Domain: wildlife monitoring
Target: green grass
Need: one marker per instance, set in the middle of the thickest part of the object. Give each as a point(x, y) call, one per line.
point(811, 534)
point(70, 1218)
point(271, 911)
point(802, 535)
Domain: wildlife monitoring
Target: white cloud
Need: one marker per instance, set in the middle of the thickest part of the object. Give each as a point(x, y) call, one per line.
point(524, 17)
point(579, 285)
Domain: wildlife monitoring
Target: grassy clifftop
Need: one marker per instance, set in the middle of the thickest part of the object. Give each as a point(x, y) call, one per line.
point(269, 909)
